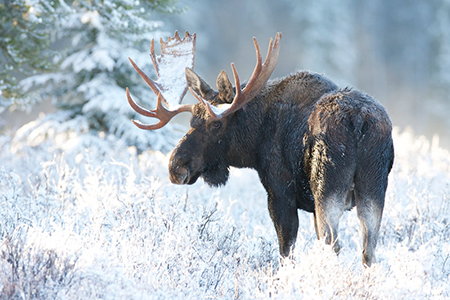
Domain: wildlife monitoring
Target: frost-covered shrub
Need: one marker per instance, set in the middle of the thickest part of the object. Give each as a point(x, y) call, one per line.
point(102, 221)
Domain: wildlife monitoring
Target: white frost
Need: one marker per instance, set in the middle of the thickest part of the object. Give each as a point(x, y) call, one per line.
point(171, 71)
point(101, 221)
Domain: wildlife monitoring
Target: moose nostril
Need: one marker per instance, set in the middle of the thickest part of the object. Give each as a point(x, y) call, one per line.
point(179, 175)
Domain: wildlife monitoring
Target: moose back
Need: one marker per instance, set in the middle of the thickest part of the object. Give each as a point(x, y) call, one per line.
point(315, 146)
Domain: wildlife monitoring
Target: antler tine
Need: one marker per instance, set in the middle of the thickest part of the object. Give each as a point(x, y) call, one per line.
point(160, 113)
point(263, 71)
point(137, 108)
point(153, 85)
point(257, 80)
point(258, 66)
point(210, 108)
point(237, 82)
point(237, 102)
point(177, 36)
point(259, 77)
point(153, 56)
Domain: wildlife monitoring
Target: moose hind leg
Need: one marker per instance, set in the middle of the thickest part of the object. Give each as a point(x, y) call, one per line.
point(327, 214)
point(369, 213)
point(371, 179)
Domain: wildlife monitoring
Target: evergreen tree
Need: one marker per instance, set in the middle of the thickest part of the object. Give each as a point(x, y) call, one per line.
point(89, 75)
point(24, 44)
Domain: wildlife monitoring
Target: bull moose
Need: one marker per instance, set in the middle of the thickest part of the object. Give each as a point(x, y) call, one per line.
point(315, 146)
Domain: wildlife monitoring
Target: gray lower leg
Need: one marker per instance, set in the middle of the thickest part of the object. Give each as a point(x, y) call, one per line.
point(370, 218)
point(326, 221)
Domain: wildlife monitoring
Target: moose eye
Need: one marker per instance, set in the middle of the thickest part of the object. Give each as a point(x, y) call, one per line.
point(217, 124)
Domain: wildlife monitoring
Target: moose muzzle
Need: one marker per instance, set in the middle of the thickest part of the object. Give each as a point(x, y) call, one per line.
point(179, 174)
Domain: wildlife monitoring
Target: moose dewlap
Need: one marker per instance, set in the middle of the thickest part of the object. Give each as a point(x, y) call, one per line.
point(316, 147)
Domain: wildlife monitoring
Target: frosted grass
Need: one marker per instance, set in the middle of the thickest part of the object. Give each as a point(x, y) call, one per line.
point(104, 222)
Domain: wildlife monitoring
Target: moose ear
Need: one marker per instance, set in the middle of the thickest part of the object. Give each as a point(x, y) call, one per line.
point(225, 88)
point(197, 84)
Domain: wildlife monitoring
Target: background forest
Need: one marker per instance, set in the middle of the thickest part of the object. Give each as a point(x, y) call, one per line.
point(86, 207)
point(396, 51)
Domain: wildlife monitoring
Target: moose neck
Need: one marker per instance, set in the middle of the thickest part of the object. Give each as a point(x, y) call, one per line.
point(247, 129)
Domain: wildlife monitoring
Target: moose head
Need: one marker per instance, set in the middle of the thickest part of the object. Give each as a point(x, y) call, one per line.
point(211, 145)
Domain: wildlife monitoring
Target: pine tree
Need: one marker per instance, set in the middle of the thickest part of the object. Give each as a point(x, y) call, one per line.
point(24, 45)
point(89, 74)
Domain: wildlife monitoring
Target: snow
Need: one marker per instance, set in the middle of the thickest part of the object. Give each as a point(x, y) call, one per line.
point(103, 221)
point(171, 71)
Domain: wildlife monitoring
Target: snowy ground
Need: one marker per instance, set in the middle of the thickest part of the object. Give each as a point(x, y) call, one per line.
point(103, 222)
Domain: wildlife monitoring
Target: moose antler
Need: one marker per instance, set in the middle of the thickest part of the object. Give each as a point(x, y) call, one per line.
point(176, 55)
point(256, 83)
point(161, 113)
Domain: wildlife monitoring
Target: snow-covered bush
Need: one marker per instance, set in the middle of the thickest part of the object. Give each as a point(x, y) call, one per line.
point(104, 222)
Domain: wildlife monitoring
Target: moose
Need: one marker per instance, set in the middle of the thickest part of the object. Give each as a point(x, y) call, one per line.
point(315, 146)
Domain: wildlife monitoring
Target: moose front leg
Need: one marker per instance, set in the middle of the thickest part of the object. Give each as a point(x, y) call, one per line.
point(285, 218)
